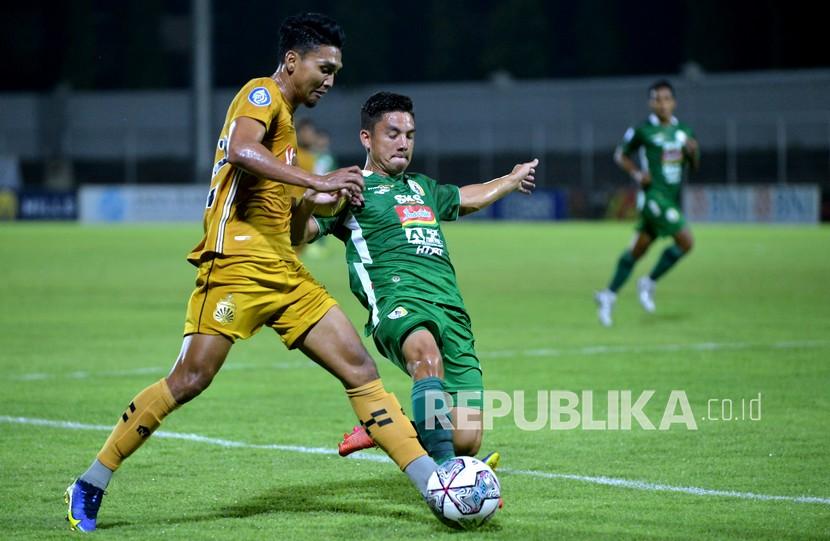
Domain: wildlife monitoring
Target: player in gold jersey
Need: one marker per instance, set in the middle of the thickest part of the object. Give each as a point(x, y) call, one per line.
point(249, 276)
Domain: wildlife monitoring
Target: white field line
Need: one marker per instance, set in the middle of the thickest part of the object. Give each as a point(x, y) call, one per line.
point(159, 370)
point(606, 481)
point(700, 346)
point(519, 353)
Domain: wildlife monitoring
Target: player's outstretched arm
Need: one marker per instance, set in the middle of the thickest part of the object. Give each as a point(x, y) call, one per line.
point(475, 197)
point(245, 150)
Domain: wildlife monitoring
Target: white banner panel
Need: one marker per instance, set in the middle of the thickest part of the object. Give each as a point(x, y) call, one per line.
point(142, 203)
point(795, 204)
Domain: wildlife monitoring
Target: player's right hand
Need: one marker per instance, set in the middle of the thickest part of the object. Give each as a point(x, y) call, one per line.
point(349, 179)
point(643, 178)
point(523, 175)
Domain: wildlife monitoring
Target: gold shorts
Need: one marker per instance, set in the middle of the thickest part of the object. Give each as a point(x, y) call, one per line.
point(235, 296)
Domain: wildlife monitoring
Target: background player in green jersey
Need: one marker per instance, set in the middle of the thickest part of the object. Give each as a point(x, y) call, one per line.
point(665, 147)
point(400, 270)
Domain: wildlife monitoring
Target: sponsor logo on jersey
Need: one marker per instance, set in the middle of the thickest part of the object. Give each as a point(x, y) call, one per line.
point(427, 236)
point(415, 187)
point(397, 313)
point(415, 215)
point(408, 199)
point(426, 239)
point(260, 96)
point(380, 189)
point(672, 154)
point(225, 311)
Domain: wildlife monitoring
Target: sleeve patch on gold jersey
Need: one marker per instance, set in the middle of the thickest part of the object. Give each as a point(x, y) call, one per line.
point(260, 96)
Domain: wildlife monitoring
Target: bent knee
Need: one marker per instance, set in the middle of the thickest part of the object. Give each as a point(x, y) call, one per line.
point(466, 442)
point(426, 366)
point(187, 386)
point(362, 370)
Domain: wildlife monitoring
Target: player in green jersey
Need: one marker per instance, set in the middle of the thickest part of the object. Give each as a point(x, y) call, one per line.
point(400, 270)
point(665, 147)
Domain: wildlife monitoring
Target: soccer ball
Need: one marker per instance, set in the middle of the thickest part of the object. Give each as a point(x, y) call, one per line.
point(463, 493)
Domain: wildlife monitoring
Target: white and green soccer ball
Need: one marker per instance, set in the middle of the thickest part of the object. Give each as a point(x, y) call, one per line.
point(463, 493)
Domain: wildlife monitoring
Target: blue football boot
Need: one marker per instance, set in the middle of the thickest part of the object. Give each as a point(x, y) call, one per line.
point(83, 500)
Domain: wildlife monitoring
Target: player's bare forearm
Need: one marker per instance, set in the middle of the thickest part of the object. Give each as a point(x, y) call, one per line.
point(303, 226)
point(256, 159)
point(475, 197)
point(246, 151)
point(627, 164)
point(692, 151)
point(624, 162)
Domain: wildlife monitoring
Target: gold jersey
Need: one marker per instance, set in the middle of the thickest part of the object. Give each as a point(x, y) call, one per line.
point(246, 215)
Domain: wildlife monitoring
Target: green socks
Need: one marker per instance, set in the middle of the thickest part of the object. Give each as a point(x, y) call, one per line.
point(669, 257)
point(429, 408)
point(624, 266)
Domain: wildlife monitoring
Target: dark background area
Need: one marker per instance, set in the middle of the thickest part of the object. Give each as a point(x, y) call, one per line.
point(99, 44)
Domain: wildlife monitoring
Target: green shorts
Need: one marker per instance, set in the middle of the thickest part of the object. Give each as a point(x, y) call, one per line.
point(659, 217)
point(453, 333)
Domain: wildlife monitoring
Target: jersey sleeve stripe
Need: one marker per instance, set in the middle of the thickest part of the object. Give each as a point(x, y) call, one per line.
point(366, 283)
point(226, 212)
point(357, 239)
point(362, 250)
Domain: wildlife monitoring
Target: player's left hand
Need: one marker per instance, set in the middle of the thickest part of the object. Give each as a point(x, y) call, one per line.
point(691, 146)
point(329, 203)
point(523, 175)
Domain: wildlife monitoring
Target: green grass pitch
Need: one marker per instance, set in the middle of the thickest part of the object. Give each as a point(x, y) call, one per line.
point(90, 315)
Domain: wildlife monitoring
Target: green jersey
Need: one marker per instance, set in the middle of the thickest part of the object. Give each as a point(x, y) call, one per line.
point(394, 245)
point(661, 153)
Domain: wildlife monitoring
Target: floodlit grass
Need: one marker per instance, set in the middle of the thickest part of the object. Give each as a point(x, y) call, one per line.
point(91, 315)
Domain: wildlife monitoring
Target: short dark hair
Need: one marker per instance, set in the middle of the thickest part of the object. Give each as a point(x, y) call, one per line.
point(662, 83)
point(306, 31)
point(380, 103)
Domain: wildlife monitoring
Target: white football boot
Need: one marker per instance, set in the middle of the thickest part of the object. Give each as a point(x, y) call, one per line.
point(605, 304)
point(645, 292)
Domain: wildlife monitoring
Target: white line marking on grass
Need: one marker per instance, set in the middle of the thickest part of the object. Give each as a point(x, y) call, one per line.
point(606, 481)
point(657, 487)
point(160, 370)
point(72, 425)
point(701, 346)
point(543, 352)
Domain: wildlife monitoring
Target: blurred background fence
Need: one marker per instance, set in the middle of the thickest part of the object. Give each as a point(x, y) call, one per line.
point(755, 128)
